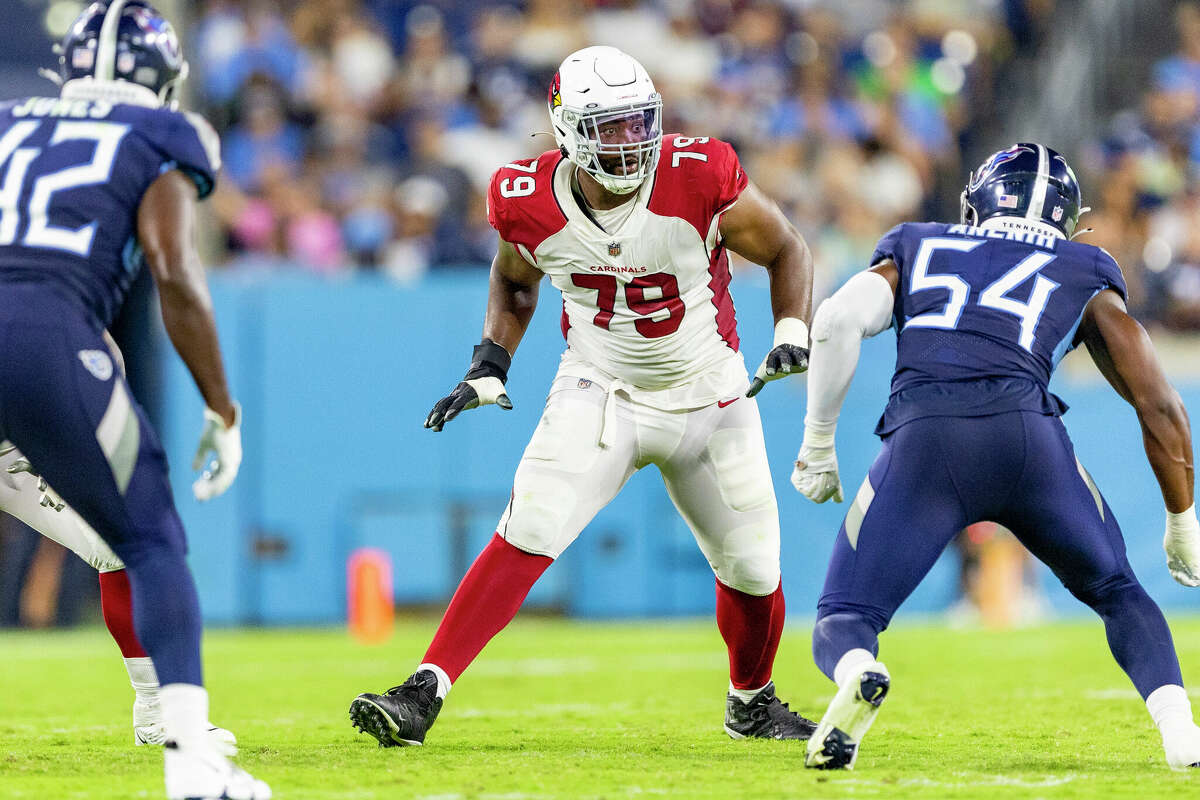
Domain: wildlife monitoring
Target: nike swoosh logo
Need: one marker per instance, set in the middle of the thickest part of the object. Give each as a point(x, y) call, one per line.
point(722, 404)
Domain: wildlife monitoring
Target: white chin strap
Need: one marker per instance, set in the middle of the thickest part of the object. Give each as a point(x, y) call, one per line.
point(117, 91)
point(618, 185)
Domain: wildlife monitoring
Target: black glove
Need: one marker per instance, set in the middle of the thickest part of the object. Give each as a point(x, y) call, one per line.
point(786, 359)
point(483, 385)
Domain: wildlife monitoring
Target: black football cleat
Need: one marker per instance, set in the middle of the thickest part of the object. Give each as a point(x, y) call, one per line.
point(765, 717)
point(402, 715)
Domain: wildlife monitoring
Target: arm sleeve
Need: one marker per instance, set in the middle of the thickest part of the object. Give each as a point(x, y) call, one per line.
point(888, 245)
point(1110, 273)
point(860, 309)
point(493, 205)
point(186, 142)
point(732, 178)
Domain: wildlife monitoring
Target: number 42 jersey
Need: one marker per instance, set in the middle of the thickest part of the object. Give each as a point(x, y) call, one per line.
point(72, 176)
point(983, 316)
point(645, 287)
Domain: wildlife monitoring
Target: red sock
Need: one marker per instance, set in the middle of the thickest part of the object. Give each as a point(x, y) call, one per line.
point(486, 600)
point(116, 604)
point(751, 627)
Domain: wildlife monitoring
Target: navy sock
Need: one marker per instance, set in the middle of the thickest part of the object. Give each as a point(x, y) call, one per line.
point(166, 612)
point(838, 633)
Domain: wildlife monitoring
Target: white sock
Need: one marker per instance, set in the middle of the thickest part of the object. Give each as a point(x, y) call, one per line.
point(850, 663)
point(185, 713)
point(745, 695)
point(142, 677)
point(444, 682)
point(1170, 708)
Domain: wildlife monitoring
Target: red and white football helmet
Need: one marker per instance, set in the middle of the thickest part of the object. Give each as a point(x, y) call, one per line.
point(607, 117)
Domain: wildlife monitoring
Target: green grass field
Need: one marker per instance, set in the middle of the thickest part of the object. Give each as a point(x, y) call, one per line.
point(559, 709)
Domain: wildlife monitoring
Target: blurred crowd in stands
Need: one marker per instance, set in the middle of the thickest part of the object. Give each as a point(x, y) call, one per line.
point(360, 134)
point(1146, 170)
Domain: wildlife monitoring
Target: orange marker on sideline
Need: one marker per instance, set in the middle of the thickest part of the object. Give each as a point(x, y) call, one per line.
point(369, 595)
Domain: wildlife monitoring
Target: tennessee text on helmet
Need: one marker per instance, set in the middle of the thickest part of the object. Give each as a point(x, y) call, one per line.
point(123, 51)
point(607, 117)
point(1026, 181)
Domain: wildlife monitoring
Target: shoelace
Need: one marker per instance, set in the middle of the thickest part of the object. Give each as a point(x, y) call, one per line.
point(424, 694)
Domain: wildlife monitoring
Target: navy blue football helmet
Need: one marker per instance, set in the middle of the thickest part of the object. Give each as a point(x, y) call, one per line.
point(124, 40)
point(1026, 180)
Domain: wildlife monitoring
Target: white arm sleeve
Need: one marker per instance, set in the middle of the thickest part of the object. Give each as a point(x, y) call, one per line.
point(860, 309)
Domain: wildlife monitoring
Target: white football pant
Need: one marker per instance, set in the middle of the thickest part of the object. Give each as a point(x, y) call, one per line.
point(713, 461)
point(20, 496)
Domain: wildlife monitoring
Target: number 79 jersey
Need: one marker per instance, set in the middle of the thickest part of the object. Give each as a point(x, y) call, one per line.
point(72, 176)
point(983, 317)
point(645, 298)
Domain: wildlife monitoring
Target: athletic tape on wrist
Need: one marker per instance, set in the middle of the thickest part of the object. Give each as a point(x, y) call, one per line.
point(489, 360)
point(790, 330)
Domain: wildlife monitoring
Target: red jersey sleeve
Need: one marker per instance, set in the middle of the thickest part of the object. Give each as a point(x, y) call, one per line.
point(696, 179)
point(521, 204)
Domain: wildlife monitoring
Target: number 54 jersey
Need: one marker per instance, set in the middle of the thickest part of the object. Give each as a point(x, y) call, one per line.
point(983, 316)
point(72, 176)
point(645, 287)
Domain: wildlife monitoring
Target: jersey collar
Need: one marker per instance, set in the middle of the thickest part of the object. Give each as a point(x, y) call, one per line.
point(116, 91)
point(564, 193)
point(1021, 226)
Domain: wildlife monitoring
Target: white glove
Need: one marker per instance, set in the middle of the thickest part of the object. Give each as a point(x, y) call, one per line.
point(816, 473)
point(1182, 543)
point(788, 356)
point(225, 443)
point(49, 498)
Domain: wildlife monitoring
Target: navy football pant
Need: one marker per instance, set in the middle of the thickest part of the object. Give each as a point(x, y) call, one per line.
point(937, 475)
point(67, 407)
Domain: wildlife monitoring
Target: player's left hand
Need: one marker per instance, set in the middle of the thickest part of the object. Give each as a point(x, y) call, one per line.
point(788, 356)
point(1182, 544)
point(816, 474)
point(225, 443)
point(49, 498)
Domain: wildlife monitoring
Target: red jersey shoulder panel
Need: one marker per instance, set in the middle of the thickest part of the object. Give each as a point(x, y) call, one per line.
point(696, 178)
point(521, 203)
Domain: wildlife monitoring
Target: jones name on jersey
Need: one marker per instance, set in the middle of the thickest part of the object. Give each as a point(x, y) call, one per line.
point(648, 301)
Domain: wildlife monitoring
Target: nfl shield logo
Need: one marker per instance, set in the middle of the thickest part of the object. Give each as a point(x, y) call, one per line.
point(98, 363)
point(1057, 214)
point(614, 248)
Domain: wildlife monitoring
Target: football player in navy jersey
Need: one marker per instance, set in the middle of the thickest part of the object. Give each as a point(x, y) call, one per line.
point(93, 183)
point(984, 310)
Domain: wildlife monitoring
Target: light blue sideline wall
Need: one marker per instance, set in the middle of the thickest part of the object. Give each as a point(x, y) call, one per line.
point(336, 377)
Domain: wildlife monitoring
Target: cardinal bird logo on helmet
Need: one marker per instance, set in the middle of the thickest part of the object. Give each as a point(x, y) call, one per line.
point(555, 96)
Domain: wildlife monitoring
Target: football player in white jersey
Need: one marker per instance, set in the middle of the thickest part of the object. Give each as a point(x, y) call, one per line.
point(26, 495)
point(633, 228)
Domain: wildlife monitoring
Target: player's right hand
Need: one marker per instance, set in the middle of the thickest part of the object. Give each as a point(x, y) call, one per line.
point(816, 474)
point(472, 393)
point(1182, 545)
point(225, 443)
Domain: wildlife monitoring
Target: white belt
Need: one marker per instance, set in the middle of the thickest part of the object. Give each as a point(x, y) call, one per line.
point(608, 428)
